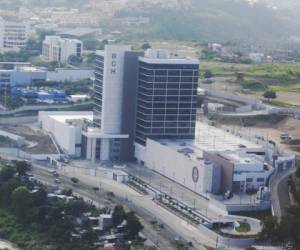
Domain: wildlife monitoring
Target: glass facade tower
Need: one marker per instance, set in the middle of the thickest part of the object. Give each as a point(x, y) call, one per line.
point(98, 88)
point(167, 99)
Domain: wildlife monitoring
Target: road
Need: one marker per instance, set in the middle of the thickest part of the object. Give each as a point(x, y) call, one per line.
point(279, 192)
point(100, 200)
point(141, 204)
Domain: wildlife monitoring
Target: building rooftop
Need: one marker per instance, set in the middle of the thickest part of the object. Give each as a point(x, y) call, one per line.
point(23, 69)
point(169, 60)
point(63, 118)
point(209, 138)
point(241, 158)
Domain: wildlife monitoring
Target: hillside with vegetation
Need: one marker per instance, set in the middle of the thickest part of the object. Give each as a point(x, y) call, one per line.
point(215, 20)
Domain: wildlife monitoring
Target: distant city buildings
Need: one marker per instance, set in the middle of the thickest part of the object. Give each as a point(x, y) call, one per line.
point(60, 49)
point(13, 35)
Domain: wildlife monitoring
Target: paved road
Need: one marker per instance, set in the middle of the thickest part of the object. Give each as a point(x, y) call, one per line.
point(99, 199)
point(283, 194)
point(139, 203)
point(279, 192)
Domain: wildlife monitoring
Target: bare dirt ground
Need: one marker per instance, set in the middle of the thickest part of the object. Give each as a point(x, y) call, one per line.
point(273, 130)
point(289, 97)
point(40, 143)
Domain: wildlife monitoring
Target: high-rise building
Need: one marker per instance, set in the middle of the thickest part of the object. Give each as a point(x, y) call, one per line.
point(60, 49)
point(13, 35)
point(115, 75)
point(138, 97)
point(167, 97)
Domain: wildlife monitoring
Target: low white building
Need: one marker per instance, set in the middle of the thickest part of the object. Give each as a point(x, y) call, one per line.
point(214, 162)
point(13, 35)
point(245, 171)
point(60, 49)
point(66, 127)
point(257, 57)
point(105, 221)
point(179, 162)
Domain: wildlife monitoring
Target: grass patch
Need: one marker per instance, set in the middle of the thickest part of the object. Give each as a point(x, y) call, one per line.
point(255, 86)
point(288, 72)
point(244, 227)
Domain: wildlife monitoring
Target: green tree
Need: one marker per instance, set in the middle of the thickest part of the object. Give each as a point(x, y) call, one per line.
point(118, 215)
point(270, 94)
point(290, 227)
point(6, 190)
point(22, 167)
point(133, 226)
point(146, 46)
point(270, 229)
point(7, 173)
point(74, 180)
point(208, 74)
point(39, 197)
point(240, 77)
point(67, 191)
point(74, 60)
point(21, 202)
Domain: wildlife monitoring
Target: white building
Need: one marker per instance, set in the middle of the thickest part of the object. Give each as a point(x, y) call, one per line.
point(249, 170)
point(60, 49)
point(178, 161)
point(257, 57)
point(214, 162)
point(66, 128)
point(13, 35)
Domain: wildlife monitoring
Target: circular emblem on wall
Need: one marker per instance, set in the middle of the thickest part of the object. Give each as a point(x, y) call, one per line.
point(195, 174)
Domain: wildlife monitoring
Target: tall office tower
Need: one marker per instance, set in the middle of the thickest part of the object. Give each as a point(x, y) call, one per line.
point(167, 97)
point(114, 95)
point(109, 88)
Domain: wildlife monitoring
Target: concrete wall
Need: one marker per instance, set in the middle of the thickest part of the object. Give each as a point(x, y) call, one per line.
point(66, 135)
point(226, 172)
point(230, 208)
point(27, 78)
point(62, 75)
point(289, 111)
point(224, 241)
point(40, 107)
point(14, 152)
point(255, 103)
point(18, 120)
point(168, 162)
point(244, 109)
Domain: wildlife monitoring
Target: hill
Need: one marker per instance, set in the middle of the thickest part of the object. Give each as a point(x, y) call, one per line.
point(216, 20)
